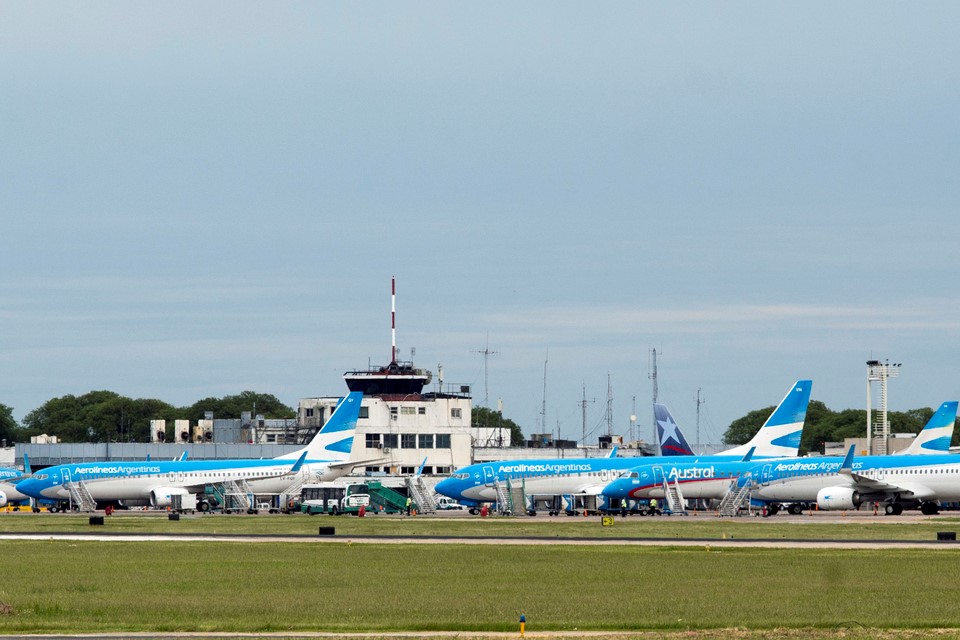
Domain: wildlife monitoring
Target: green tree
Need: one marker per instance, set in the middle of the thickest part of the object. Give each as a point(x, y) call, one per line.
point(227, 407)
point(97, 416)
point(9, 429)
point(823, 425)
point(483, 417)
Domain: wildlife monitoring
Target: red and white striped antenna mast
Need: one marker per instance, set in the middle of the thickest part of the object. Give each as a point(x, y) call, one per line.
point(393, 319)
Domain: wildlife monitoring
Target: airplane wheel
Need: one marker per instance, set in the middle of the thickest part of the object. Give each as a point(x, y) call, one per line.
point(890, 509)
point(897, 509)
point(794, 509)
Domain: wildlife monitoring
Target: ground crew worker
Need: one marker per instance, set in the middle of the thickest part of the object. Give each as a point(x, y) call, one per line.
point(653, 506)
point(409, 503)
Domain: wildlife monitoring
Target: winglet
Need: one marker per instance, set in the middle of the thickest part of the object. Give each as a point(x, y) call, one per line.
point(613, 452)
point(749, 455)
point(299, 463)
point(420, 468)
point(847, 466)
point(26, 465)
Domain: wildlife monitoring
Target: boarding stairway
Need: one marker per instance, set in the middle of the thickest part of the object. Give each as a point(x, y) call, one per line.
point(386, 500)
point(237, 495)
point(736, 496)
point(293, 491)
point(421, 494)
point(673, 498)
point(80, 496)
point(518, 497)
point(511, 497)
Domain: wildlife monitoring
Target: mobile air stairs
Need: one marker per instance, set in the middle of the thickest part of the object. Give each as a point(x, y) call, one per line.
point(386, 500)
point(80, 496)
point(737, 495)
point(237, 496)
point(673, 498)
point(511, 497)
point(421, 494)
point(291, 495)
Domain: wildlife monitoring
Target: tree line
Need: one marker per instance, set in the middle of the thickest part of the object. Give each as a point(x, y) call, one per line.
point(824, 425)
point(105, 416)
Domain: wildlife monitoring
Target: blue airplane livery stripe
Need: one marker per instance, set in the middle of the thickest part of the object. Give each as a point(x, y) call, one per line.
point(791, 440)
point(937, 444)
point(794, 406)
point(342, 446)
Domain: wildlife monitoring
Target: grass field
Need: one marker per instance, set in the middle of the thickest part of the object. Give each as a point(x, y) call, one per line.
point(59, 586)
point(879, 528)
point(194, 586)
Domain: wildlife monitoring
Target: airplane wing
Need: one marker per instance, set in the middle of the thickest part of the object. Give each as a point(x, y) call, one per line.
point(587, 490)
point(350, 464)
point(868, 485)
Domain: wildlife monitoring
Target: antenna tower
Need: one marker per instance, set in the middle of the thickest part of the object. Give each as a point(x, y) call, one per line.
point(609, 407)
point(393, 319)
point(486, 353)
point(653, 376)
point(543, 409)
point(583, 408)
point(699, 402)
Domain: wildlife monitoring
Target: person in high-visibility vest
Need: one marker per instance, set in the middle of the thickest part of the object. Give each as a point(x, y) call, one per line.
point(653, 506)
point(409, 504)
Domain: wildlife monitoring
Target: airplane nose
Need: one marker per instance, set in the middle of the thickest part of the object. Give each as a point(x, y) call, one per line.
point(611, 491)
point(444, 488)
point(27, 487)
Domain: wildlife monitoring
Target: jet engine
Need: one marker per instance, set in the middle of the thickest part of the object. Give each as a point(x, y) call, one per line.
point(837, 498)
point(160, 497)
point(3, 499)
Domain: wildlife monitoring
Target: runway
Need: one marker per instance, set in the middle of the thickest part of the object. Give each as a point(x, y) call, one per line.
point(730, 542)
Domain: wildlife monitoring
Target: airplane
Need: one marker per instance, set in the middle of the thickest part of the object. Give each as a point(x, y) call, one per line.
point(326, 457)
point(913, 479)
point(10, 477)
point(474, 484)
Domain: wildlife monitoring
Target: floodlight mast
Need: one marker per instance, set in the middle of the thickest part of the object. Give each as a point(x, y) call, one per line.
point(879, 372)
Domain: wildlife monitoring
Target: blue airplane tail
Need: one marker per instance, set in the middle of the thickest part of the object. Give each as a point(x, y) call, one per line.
point(672, 442)
point(334, 441)
point(936, 436)
point(780, 434)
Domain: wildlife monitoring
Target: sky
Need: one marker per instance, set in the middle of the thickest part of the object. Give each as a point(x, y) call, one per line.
point(204, 198)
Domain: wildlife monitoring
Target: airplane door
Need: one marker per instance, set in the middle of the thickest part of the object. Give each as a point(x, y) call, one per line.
point(658, 475)
point(65, 475)
point(767, 474)
point(488, 476)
